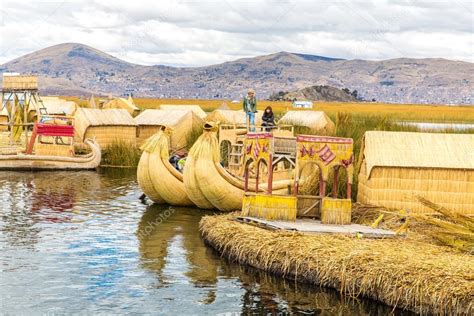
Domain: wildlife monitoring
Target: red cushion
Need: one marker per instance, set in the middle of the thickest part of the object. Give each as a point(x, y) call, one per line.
point(55, 130)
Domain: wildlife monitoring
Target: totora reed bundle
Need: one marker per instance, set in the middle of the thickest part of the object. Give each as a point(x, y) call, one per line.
point(158, 179)
point(408, 274)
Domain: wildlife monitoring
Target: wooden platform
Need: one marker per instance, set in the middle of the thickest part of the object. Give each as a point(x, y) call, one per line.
point(315, 227)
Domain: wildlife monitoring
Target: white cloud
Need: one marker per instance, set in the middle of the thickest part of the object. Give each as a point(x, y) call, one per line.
point(193, 33)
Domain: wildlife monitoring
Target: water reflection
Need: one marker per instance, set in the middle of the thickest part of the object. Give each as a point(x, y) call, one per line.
point(82, 242)
point(165, 233)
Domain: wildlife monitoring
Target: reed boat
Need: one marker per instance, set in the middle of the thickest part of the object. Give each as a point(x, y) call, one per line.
point(22, 161)
point(208, 184)
point(157, 178)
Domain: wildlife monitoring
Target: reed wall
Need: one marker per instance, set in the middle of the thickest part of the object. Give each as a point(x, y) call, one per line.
point(396, 187)
point(106, 135)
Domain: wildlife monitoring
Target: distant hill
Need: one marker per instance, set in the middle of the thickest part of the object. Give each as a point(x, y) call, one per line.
point(317, 93)
point(81, 70)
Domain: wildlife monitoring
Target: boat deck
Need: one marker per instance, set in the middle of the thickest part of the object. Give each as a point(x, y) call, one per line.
point(316, 227)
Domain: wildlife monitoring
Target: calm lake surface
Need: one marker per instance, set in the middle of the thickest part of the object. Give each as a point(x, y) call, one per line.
point(82, 242)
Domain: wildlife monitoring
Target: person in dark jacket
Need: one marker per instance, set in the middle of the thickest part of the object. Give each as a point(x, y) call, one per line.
point(268, 119)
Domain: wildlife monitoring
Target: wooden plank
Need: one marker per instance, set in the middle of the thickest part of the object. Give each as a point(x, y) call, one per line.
point(316, 227)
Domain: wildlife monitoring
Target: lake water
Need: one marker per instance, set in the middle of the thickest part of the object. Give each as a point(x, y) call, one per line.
point(82, 242)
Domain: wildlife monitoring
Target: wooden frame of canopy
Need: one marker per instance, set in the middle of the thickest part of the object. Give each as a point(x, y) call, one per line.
point(18, 93)
point(258, 148)
point(327, 153)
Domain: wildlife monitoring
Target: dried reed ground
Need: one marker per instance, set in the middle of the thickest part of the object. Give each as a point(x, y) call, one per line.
point(408, 273)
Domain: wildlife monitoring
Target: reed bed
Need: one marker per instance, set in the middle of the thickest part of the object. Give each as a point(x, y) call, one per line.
point(408, 112)
point(120, 154)
point(403, 272)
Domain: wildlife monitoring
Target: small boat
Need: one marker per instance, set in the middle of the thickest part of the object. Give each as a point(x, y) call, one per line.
point(44, 142)
point(157, 177)
point(208, 184)
point(22, 161)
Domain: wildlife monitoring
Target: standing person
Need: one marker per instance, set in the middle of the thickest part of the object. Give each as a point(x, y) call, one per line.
point(268, 119)
point(250, 108)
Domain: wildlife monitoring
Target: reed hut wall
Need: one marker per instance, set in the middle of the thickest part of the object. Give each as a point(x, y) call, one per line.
point(106, 126)
point(397, 166)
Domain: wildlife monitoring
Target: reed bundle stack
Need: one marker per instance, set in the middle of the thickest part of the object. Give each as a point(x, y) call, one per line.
point(183, 126)
point(312, 121)
point(395, 166)
point(195, 108)
point(405, 273)
point(122, 103)
point(106, 126)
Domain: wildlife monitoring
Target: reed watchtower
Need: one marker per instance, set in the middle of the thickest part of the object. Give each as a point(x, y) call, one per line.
point(19, 96)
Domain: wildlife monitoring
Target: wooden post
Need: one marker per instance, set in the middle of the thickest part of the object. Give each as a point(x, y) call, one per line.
point(12, 119)
point(335, 182)
point(322, 188)
point(258, 176)
point(270, 174)
point(246, 176)
point(25, 119)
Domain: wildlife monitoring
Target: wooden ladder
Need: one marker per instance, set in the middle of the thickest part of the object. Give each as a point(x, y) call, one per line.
point(236, 156)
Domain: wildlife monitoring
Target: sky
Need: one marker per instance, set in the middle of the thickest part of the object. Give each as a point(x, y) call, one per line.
point(198, 33)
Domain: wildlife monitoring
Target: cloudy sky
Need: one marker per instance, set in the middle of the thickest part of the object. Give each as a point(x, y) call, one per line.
point(194, 33)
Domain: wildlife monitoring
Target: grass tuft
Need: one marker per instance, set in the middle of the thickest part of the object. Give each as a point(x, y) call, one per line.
point(120, 154)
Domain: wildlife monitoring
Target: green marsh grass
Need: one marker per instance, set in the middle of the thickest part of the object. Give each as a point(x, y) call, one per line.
point(120, 154)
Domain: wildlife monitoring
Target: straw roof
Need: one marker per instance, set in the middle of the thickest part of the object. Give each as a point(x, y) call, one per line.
point(55, 105)
point(195, 108)
point(122, 103)
point(97, 117)
point(418, 150)
point(315, 120)
point(168, 118)
point(59, 106)
point(226, 116)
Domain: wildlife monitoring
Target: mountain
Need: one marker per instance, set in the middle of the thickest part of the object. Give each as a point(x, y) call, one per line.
point(317, 93)
point(78, 69)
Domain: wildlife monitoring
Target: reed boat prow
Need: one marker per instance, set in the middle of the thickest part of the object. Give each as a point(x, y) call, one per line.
point(157, 178)
point(22, 161)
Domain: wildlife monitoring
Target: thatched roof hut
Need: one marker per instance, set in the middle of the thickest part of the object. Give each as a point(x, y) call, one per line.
point(395, 166)
point(54, 106)
point(316, 121)
point(106, 126)
point(195, 108)
point(232, 117)
point(122, 103)
point(183, 124)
